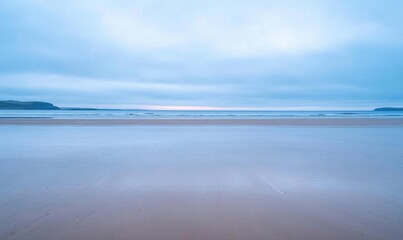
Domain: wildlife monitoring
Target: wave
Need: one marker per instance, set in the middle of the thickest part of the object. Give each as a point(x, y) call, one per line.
point(123, 114)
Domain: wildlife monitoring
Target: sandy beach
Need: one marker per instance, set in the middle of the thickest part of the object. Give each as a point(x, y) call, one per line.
point(91, 179)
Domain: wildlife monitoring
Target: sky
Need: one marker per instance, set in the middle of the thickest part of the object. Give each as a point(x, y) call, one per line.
point(203, 54)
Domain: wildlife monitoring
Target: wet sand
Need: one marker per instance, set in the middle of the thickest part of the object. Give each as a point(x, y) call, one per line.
point(201, 182)
point(270, 122)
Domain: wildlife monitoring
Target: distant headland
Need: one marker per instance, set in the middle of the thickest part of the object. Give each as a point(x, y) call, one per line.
point(18, 105)
point(388, 109)
point(34, 105)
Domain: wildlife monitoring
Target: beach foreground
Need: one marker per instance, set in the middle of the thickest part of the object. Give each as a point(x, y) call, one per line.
point(156, 180)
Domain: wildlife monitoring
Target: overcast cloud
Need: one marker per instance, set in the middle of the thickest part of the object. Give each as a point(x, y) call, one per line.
point(228, 54)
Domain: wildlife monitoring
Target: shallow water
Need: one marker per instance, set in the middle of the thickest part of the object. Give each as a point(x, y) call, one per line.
point(200, 182)
point(192, 114)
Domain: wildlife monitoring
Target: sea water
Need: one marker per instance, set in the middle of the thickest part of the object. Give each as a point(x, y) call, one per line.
point(151, 114)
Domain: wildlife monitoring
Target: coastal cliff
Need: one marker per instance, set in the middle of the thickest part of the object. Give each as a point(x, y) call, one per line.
point(388, 109)
point(18, 105)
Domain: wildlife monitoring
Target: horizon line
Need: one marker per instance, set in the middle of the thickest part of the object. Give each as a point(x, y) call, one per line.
point(211, 108)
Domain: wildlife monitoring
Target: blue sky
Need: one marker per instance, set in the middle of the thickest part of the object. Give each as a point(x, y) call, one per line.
point(204, 54)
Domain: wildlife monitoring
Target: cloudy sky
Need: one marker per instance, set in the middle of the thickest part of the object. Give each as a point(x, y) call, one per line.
point(257, 54)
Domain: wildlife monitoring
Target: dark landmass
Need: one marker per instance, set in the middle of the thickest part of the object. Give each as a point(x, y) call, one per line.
point(37, 105)
point(18, 105)
point(388, 109)
point(78, 109)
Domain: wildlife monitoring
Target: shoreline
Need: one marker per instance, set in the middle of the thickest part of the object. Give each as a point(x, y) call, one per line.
point(390, 122)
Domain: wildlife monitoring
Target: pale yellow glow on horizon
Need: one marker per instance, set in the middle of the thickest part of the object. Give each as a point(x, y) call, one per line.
point(157, 107)
point(210, 108)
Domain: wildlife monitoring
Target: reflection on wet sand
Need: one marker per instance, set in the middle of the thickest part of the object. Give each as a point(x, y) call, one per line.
point(209, 182)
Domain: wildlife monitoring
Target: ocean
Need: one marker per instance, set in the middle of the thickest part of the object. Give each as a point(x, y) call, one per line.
point(171, 114)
